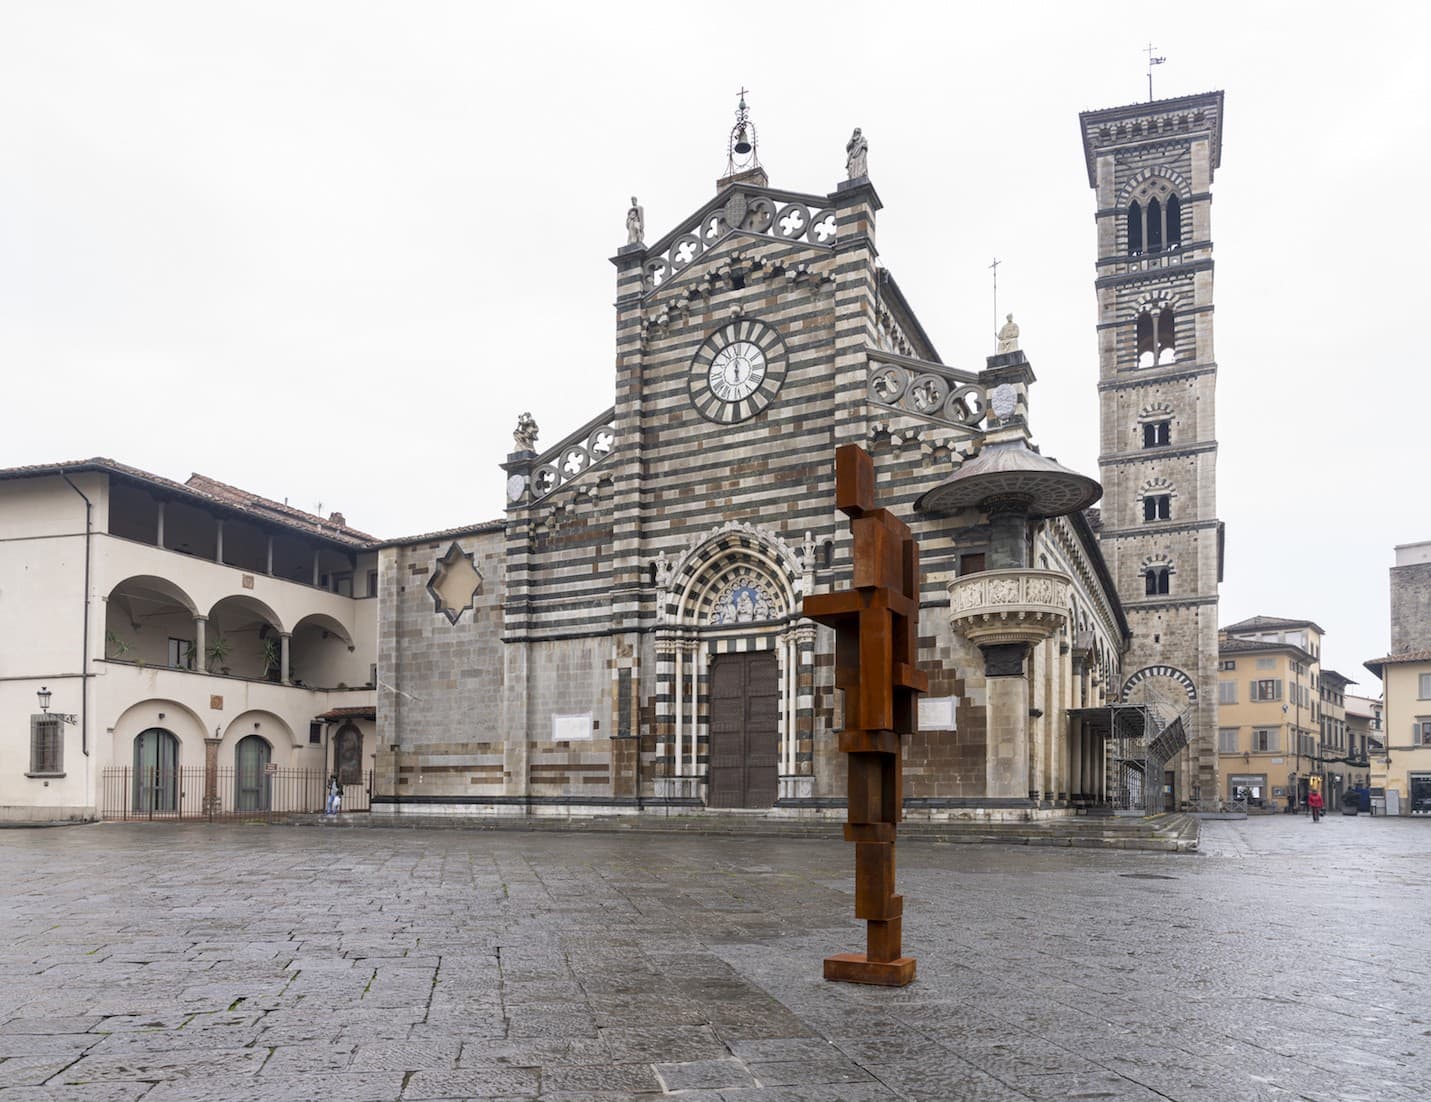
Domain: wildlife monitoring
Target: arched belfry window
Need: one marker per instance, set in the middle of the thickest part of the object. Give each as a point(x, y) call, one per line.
point(1157, 336)
point(1154, 218)
point(1156, 581)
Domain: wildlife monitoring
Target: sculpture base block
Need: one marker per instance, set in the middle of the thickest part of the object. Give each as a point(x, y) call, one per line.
point(858, 968)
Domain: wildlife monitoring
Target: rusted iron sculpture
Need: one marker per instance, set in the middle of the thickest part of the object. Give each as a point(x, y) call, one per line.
point(876, 625)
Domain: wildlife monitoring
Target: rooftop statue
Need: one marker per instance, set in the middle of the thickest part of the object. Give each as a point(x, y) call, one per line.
point(525, 433)
point(856, 150)
point(1009, 335)
point(635, 223)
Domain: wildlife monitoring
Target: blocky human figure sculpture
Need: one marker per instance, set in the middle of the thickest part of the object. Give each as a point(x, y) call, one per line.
point(876, 624)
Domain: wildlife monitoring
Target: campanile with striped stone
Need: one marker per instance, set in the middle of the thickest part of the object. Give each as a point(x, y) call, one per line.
point(1151, 166)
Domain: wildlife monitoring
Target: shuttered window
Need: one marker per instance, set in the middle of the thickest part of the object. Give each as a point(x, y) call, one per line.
point(47, 744)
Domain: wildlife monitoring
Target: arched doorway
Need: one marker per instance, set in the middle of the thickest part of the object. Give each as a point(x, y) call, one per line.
point(251, 781)
point(348, 755)
point(156, 771)
point(734, 670)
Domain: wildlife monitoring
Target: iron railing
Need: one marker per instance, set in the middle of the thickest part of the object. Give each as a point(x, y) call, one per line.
point(193, 793)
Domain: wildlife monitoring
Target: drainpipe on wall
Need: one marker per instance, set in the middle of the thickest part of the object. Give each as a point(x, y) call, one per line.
point(84, 663)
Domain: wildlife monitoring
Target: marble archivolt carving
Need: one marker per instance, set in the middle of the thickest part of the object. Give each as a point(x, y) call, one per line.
point(1001, 606)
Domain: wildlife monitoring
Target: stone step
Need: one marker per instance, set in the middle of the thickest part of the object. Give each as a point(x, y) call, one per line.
point(1165, 833)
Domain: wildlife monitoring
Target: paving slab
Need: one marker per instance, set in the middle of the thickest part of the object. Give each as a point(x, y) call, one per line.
point(227, 962)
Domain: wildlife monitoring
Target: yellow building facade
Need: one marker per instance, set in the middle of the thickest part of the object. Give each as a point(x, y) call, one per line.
point(1269, 710)
point(1403, 771)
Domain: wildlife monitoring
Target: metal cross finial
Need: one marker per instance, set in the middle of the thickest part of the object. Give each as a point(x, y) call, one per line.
point(1148, 49)
point(994, 267)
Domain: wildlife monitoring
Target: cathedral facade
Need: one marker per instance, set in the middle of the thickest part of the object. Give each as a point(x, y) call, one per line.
point(630, 635)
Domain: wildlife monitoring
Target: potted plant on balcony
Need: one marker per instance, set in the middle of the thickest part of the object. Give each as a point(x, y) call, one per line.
point(219, 648)
point(272, 658)
point(118, 648)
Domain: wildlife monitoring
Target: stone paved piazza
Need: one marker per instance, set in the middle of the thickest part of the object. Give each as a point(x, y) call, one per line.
point(1286, 961)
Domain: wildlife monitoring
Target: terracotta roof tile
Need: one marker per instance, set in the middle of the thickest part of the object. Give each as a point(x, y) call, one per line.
point(1404, 658)
point(278, 511)
point(362, 711)
point(1268, 623)
point(447, 533)
point(211, 491)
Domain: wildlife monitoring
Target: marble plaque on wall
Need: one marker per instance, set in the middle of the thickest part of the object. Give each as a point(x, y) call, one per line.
point(571, 728)
point(936, 713)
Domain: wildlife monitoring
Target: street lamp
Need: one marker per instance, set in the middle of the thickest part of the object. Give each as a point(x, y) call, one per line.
point(44, 696)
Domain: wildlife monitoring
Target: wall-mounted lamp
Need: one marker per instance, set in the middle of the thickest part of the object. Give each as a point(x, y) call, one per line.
point(44, 696)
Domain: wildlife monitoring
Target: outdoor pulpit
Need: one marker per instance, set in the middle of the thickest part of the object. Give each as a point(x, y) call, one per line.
point(876, 624)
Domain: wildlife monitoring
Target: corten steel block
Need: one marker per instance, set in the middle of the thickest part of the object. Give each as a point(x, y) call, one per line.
point(858, 968)
point(876, 626)
point(854, 480)
point(882, 937)
point(868, 742)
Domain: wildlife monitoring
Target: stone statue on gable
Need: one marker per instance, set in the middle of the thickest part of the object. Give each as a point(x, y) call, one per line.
point(856, 150)
point(635, 223)
point(525, 433)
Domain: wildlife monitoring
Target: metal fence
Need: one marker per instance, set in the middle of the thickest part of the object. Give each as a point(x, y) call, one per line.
point(194, 793)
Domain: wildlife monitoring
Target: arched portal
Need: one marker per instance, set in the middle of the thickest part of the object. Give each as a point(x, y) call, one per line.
point(733, 658)
point(156, 772)
point(252, 786)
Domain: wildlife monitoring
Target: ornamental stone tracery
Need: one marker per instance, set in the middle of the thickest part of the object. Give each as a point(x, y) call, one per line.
point(742, 213)
point(926, 393)
point(572, 458)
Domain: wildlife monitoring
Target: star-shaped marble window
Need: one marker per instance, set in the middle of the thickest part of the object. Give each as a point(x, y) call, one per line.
point(454, 584)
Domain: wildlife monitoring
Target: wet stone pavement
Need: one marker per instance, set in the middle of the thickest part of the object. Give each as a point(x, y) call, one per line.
point(1285, 961)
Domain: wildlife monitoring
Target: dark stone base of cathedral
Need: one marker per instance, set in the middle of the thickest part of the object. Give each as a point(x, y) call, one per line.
point(1284, 960)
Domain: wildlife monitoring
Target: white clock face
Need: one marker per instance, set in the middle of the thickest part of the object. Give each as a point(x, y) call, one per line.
point(737, 371)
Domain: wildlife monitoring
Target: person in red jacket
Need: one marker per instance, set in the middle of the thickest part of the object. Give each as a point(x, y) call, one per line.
point(1314, 801)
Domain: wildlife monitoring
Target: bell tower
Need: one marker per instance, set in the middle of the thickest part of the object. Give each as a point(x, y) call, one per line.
point(1151, 166)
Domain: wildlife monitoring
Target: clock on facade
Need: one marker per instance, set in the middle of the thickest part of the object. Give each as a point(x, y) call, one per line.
point(737, 372)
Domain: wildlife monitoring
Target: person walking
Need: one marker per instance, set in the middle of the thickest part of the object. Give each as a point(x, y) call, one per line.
point(1314, 801)
point(335, 796)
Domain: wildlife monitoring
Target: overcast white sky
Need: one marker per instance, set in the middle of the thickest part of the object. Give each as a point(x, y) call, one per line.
point(329, 251)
